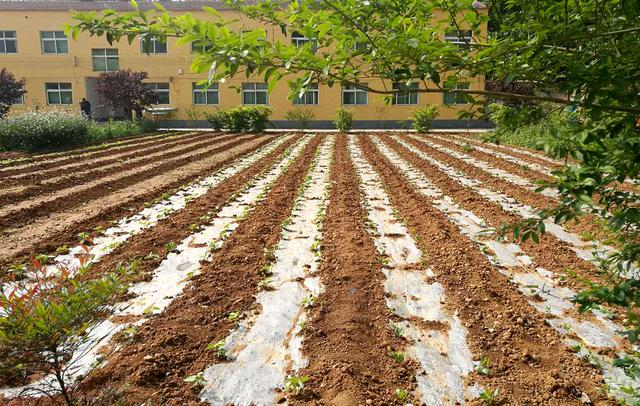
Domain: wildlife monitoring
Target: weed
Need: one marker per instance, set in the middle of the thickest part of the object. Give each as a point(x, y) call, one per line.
point(170, 246)
point(309, 301)
point(267, 270)
point(490, 396)
point(221, 352)
point(294, 384)
point(484, 367)
point(151, 256)
point(466, 147)
point(397, 356)
point(265, 284)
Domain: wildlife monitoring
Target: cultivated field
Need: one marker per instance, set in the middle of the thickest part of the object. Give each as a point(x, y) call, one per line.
point(325, 269)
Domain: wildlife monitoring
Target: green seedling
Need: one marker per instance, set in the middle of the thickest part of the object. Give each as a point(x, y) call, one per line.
point(309, 301)
point(196, 380)
point(267, 270)
point(194, 228)
point(43, 259)
point(402, 394)
point(18, 271)
point(234, 316)
point(218, 347)
point(294, 384)
point(151, 256)
point(170, 246)
point(490, 396)
point(84, 237)
point(484, 367)
point(62, 250)
point(467, 147)
point(397, 356)
point(265, 284)
point(397, 330)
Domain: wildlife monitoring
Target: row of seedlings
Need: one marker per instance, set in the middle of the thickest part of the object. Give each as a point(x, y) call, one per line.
point(169, 279)
point(415, 300)
point(256, 356)
point(92, 249)
point(538, 284)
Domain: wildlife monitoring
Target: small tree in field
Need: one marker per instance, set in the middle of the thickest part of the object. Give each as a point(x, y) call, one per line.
point(10, 90)
point(126, 89)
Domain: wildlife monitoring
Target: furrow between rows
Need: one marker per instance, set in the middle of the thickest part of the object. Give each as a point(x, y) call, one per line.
point(57, 229)
point(169, 279)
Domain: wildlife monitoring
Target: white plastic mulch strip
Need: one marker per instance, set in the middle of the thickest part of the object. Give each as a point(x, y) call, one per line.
point(509, 158)
point(443, 354)
point(542, 287)
point(513, 149)
point(590, 251)
point(486, 167)
point(83, 255)
point(266, 345)
point(171, 276)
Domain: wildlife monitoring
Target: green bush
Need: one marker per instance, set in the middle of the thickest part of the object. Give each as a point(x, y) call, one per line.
point(99, 132)
point(343, 120)
point(421, 118)
point(40, 130)
point(44, 326)
point(301, 116)
point(253, 119)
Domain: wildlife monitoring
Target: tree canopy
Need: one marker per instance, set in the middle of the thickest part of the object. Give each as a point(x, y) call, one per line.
point(126, 89)
point(11, 89)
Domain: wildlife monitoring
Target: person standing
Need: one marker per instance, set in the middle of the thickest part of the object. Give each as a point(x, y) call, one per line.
point(85, 107)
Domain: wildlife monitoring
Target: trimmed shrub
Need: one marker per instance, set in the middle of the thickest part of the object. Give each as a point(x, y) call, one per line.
point(253, 119)
point(421, 118)
point(40, 130)
point(343, 120)
point(302, 117)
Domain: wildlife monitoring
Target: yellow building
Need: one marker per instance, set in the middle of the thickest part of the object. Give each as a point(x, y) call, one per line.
point(61, 71)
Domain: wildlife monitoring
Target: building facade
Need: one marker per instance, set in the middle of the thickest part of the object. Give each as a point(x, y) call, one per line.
point(60, 71)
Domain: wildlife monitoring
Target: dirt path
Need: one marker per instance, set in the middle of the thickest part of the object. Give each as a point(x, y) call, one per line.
point(502, 326)
point(50, 231)
point(171, 346)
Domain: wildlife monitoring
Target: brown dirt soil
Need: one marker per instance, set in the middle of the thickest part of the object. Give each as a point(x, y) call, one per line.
point(346, 338)
point(46, 189)
point(84, 163)
point(55, 229)
point(176, 339)
point(44, 160)
point(529, 174)
point(529, 364)
point(175, 228)
point(65, 198)
point(551, 253)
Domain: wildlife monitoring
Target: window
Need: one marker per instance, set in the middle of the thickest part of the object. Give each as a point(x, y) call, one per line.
point(197, 47)
point(310, 97)
point(153, 45)
point(255, 93)
point(59, 93)
point(8, 42)
point(202, 95)
point(54, 42)
point(455, 97)
point(405, 95)
point(162, 89)
point(300, 40)
point(105, 59)
point(352, 95)
point(19, 100)
point(458, 37)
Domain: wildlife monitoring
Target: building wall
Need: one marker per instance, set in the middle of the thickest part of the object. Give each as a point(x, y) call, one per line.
point(173, 67)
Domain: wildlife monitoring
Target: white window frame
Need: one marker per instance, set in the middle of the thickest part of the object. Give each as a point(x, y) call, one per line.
point(299, 40)
point(459, 86)
point(154, 86)
point(59, 91)
point(20, 100)
point(212, 91)
point(406, 93)
point(195, 45)
point(58, 37)
point(4, 40)
point(462, 37)
point(313, 93)
point(105, 57)
point(255, 88)
point(354, 91)
point(153, 48)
